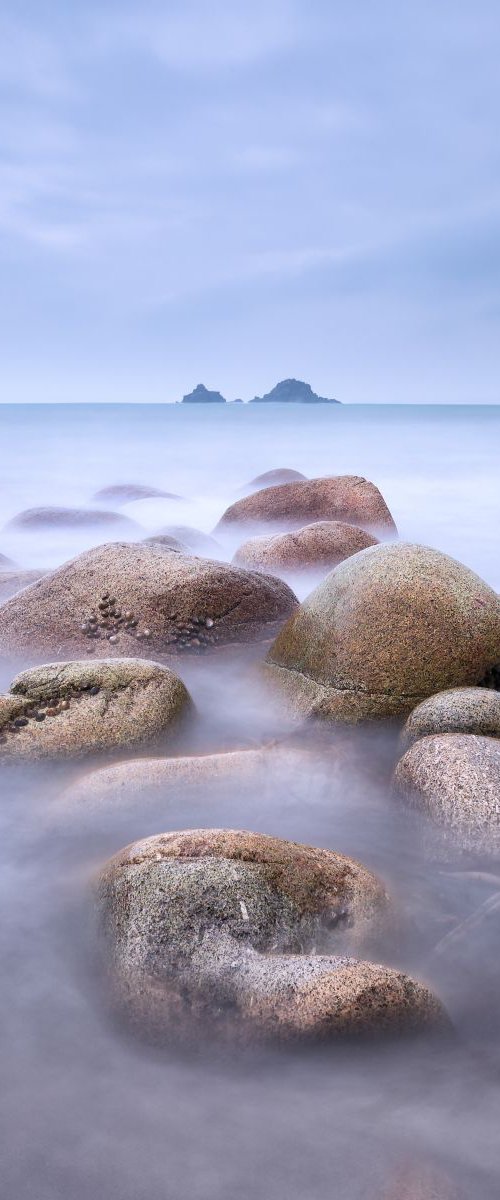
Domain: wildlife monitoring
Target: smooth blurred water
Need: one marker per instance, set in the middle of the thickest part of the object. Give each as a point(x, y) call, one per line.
point(86, 1111)
point(437, 466)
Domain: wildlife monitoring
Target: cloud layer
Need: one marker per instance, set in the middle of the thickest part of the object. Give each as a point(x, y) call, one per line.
point(237, 193)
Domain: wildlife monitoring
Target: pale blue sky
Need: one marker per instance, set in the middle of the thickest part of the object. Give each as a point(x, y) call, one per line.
point(236, 192)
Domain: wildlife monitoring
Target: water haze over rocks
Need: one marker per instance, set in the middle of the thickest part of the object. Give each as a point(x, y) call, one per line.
point(88, 1110)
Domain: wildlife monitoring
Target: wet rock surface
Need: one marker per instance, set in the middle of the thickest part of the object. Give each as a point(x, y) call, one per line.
point(455, 778)
point(40, 518)
point(349, 498)
point(122, 599)
point(387, 628)
point(229, 933)
point(123, 493)
point(64, 710)
point(457, 710)
point(323, 544)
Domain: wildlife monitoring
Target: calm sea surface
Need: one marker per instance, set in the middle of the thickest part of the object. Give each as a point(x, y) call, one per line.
point(87, 1112)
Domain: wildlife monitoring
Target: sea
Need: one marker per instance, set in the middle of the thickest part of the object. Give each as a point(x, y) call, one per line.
point(87, 1109)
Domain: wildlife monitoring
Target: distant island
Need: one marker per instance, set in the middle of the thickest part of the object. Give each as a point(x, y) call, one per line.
point(289, 391)
point(292, 391)
point(201, 395)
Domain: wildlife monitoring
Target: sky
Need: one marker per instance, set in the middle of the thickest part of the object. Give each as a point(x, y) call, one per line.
point(233, 193)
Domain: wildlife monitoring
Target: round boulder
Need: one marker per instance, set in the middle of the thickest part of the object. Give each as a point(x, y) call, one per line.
point(334, 498)
point(64, 710)
point(123, 493)
point(217, 932)
point(67, 518)
point(273, 479)
point(321, 545)
point(121, 599)
point(458, 710)
point(455, 778)
point(387, 628)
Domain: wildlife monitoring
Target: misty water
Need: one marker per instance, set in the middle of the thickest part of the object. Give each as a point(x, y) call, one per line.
point(87, 1109)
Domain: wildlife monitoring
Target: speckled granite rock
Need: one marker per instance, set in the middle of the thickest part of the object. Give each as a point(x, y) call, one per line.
point(455, 778)
point(387, 628)
point(333, 498)
point(457, 710)
point(63, 710)
point(121, 599)
point(123, 493)
point(217, 932)
point(323, 544)
point(12, 582)
point(40, 518)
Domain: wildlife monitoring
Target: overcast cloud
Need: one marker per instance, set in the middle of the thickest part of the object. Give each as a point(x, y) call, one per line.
point(236, 192)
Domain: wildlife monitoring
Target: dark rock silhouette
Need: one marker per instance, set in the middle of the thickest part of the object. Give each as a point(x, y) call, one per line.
point(292, 391)
point(201, 395)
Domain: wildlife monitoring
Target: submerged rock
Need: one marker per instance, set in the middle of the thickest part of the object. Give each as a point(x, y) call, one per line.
point(457, 710)
point(421, 1181)
point(63, 710)
point(121, 599)
point(217, 932)
point(258, 774)
point(324, 544)
point(455, 778)
point(12, 582)
point(347, 498)
point(273, 479)
point(194, 539)
point(387, 628)
point(167, 543)
point(122, 493)
point(39, 518)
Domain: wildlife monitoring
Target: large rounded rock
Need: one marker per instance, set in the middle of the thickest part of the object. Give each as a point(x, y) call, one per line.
point(322, 545)
point(335, 498)
point(458, 710)
point(67, 518)
point(123, 493)
point(455, 778)
point(274, 478)
point(63, 710)
point(12, 582)
point(120, 599)
point(218, 931)
point(385, 629)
